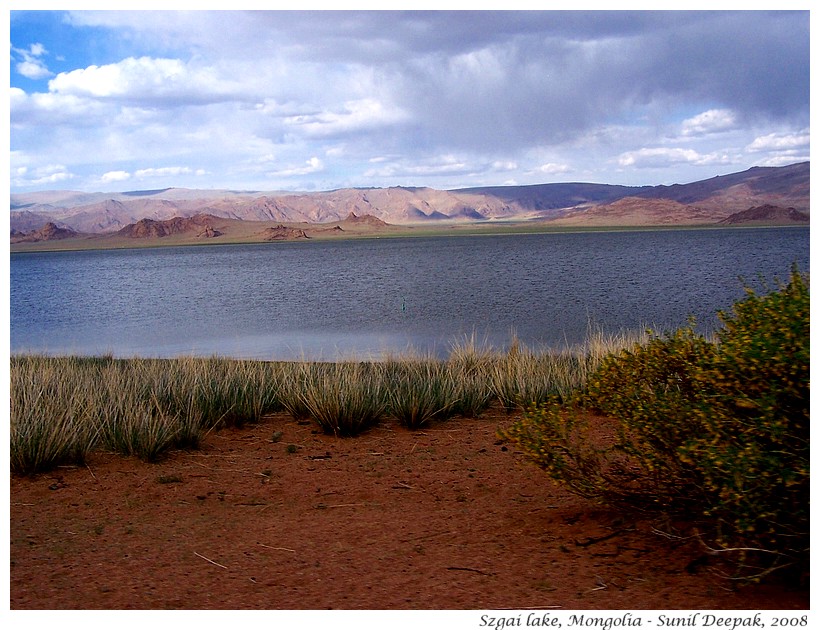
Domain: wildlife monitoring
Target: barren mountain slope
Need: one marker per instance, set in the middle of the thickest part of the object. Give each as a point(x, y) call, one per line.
point(707, 201)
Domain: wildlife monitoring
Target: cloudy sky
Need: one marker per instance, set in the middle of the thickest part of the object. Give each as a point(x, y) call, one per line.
point(116, 100)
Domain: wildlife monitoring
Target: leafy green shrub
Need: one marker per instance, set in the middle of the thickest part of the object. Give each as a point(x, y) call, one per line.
point(716, 429)
point(753, 455)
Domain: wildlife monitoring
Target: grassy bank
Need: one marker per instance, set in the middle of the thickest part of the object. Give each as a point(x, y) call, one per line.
point(63, 408)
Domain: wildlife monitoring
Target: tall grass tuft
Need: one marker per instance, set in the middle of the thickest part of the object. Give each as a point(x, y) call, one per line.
point(344, 398)
point(292, 381)
point(522, 378)
point(50, 417)
point(62, 408)
point(145, 433)
point(470, 364)
point(420, 390)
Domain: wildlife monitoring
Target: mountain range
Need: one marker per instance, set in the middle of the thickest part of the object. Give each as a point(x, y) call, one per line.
point(726, 199)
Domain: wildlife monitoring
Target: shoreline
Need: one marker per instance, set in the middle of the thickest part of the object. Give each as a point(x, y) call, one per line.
point(393, 231)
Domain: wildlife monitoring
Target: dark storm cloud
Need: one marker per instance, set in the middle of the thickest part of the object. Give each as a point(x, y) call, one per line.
point(328, 98)
point(478, 78)
point(552, 82)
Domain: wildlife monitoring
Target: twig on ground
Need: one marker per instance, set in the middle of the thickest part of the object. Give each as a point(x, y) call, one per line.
point(276, 548)
point(209, 560)
point(601, 584)
point(468, 569)
point(592, 541)
point(671, 536)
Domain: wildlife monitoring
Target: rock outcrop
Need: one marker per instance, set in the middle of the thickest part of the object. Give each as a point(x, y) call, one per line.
point(365, 219)
point(768, 214)
point(49, 232)
point(151, 228)
point(282, 233)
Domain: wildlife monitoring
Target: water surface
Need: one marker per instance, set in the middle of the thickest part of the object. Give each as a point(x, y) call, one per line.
point(369, 298)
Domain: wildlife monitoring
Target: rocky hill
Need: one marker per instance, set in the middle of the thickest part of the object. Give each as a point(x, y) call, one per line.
point(708, 201)
point(767, 215)
point(49, 232)
point(282, 233)
point(201, 224)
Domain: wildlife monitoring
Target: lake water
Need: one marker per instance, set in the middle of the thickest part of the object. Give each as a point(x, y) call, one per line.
point(369, 298)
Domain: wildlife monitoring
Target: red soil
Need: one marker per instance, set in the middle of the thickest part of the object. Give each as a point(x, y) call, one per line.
point(444, 518)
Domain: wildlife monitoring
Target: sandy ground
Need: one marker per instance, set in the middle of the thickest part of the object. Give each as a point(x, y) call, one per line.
point(444, 518)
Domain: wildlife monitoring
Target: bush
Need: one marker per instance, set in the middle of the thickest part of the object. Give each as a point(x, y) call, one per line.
point(715, 429)
point(754, 453)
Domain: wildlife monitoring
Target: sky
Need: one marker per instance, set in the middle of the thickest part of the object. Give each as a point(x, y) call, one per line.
point(319, 100)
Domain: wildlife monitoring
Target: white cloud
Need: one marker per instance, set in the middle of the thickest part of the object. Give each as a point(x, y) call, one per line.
point(551, 168)
point(17, 97)
point(48, 175)
point(711, 121)
point(780, 142)
point(33, 70)
point(442, 165)
point(146, 78)
point(114, 176)
point(504, 165)
point(165, 171)
point(46, 109)
point(31, 66)
point(313, 165)
point(659, 157)
point(366, 113)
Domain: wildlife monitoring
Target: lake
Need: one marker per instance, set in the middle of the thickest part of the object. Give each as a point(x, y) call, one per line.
point(370, 298)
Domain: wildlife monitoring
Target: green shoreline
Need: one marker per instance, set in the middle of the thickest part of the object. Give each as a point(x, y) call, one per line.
point(94, 243)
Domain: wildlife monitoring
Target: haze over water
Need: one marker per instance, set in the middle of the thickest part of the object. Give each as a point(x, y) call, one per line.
point(371, 298)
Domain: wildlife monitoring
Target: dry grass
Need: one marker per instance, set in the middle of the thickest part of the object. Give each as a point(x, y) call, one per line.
point(62, 408)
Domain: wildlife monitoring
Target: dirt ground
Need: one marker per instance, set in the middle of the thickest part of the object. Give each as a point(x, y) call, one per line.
point(279, 516)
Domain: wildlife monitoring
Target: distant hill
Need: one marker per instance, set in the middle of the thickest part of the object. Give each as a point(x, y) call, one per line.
point(710, 201)
point(767, 215)
point(201, 224)
point(49, 232)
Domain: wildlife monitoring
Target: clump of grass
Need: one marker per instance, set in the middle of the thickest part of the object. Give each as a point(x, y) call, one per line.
point(292, 384)
point(344, 398)
point(63, 408)
point(419, 391)
point(599, 345)
point(523, 378)
point(221, 392)
point(50, 419)
point(470, 364)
